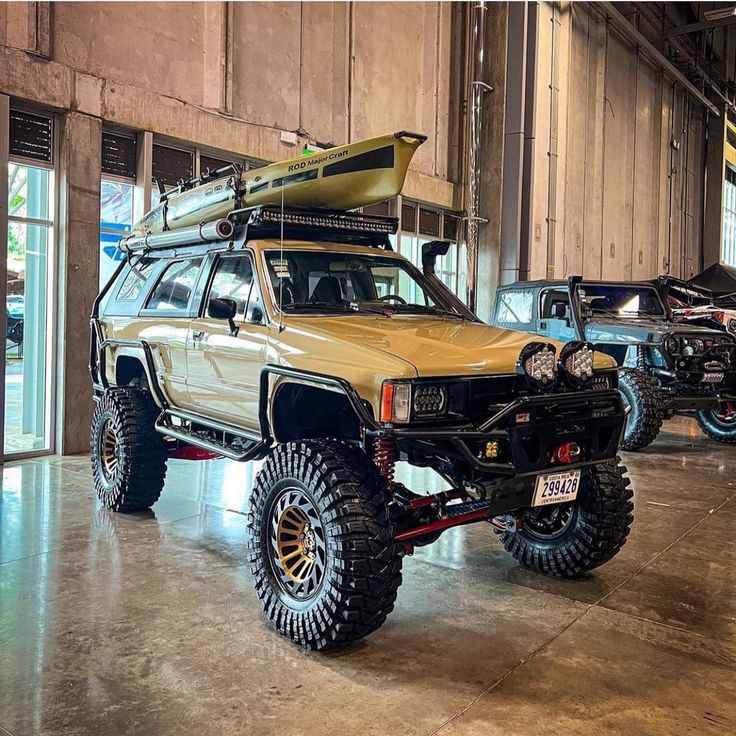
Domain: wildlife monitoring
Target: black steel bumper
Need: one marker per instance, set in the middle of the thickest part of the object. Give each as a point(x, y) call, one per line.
point(531, 427)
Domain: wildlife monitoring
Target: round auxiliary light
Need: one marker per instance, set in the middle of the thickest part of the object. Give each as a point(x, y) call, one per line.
point(671, 345)
point(539, 364)
point(576, 363)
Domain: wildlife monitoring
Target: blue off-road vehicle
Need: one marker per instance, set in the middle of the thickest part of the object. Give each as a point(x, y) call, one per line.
point(666, 368)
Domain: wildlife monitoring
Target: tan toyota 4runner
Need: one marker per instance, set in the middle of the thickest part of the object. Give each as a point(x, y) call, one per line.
point(301, 338)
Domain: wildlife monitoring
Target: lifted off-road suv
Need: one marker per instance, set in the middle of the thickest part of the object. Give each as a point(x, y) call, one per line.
point(667, 368)
point(301, 338)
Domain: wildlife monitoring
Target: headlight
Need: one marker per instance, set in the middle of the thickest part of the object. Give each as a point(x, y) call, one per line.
point(537, 360)
point(429, 400)
point(576, 363)
point(402, 401)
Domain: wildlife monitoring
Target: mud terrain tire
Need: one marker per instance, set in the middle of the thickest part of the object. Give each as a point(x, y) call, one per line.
point(716, 428)
point(595, 527)
point(645, 418)
point(326, 500)
point(128, 454)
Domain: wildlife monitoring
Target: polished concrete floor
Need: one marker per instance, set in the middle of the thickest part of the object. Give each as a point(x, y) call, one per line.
point(147, 624)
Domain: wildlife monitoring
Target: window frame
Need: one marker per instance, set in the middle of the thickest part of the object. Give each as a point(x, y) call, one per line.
point(255, 289)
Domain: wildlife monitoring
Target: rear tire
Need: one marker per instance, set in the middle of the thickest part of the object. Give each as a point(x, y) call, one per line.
point(128, 455)
point(567, 540)
point(644, 419)
point(719, 426)
point(321, 549)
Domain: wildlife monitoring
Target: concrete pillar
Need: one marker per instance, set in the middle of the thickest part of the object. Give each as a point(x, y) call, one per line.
point(491, 158)
point(715, 167)
point(79, 226)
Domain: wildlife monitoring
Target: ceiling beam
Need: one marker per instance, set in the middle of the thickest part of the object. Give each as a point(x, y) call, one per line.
point(648, 48)
point(703, 26)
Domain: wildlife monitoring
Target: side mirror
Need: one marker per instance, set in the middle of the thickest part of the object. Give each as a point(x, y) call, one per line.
point(559, 310)
point(430, 251)
point(224, 308)
point(256, 316)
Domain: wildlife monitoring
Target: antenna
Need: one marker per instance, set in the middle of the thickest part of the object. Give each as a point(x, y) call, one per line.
point(281, 266)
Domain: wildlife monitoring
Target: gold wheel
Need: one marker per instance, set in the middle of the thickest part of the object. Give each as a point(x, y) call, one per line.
point(109, 450)
point(298, 544)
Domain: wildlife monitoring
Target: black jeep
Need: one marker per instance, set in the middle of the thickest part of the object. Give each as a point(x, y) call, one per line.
point(666, 368)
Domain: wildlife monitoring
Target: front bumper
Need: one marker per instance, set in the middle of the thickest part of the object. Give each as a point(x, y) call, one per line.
point(529, 429)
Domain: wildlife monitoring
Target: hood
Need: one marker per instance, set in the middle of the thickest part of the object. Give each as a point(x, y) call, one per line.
point(627, 331)
point(432, 346)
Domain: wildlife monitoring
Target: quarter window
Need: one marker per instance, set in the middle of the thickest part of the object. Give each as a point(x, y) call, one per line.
point(173, 291)
point(135, 279)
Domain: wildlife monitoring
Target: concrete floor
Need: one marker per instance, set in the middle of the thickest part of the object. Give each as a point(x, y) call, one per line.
point(148, 625)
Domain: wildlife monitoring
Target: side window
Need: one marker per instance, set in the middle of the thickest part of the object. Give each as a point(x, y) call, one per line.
point(555, 305)
point(135, 280)
point(234, 280)
point(515, 308)
point(175, 286)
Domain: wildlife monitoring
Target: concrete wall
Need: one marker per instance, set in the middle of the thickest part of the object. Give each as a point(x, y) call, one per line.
point(626, 198)
point(233, 75)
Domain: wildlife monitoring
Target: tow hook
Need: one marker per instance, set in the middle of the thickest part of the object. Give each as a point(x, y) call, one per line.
point(506, 523)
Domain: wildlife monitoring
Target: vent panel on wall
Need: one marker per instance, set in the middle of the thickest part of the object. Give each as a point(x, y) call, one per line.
point(118, 155)
point(31, 136)
point(172, 165)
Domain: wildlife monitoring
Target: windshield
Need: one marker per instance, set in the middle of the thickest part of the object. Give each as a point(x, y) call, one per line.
point(621, 300)
point(319, 281)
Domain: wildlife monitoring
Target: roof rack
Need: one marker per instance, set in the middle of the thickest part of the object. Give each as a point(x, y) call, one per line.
point(269, 221)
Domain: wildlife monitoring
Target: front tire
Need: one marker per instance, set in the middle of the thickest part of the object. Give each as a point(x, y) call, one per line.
point(719, 424)
point(321, 549)
point(567, 540)
point(128, 455)
point(644, 420)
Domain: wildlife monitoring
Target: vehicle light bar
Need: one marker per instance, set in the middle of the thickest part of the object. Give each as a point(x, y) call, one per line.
point(329, 219)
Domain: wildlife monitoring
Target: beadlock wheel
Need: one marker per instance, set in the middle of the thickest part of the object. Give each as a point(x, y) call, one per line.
point(298, 540)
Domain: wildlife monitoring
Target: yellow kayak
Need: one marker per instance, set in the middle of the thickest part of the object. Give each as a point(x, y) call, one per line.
point(340, 178)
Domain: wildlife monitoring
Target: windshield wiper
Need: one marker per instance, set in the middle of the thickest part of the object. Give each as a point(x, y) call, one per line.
point(427, 309)
point(316, 305)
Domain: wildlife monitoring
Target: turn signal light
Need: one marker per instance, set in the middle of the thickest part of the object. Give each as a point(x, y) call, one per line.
point(395, 402)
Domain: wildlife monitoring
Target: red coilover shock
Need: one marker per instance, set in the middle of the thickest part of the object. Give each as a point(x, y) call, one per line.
point(384, 456)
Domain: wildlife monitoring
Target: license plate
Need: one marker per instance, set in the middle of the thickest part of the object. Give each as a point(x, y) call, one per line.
point(556, 488)
point(713, 377)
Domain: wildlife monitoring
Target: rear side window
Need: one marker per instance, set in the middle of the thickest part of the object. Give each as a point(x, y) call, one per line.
point(135, 280)
point(515, 309)
point(175, 286)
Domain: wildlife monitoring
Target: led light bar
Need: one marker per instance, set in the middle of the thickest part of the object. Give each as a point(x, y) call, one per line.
point(328, 219)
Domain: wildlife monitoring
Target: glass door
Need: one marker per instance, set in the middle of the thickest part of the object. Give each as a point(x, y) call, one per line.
point(28, 256)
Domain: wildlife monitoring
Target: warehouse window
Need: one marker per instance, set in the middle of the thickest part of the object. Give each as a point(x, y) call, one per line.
point(421, 224)
point(29, 258)
point(117, 188)
point(728, 249)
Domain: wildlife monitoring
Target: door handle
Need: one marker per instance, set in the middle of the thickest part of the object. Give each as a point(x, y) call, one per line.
point(197, 335)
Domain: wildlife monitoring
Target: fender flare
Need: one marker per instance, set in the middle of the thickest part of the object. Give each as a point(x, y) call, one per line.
point(330, 383)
